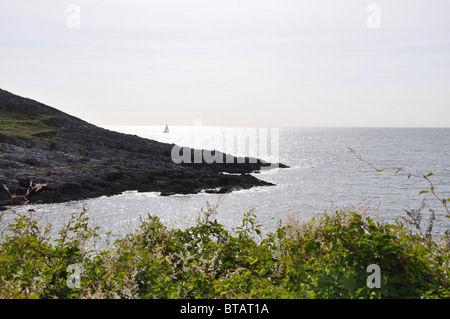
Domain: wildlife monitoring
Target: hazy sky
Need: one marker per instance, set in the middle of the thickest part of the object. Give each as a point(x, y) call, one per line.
point(269, 63)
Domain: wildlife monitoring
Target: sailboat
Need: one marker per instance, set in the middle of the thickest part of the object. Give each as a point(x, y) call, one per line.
point(166, 130)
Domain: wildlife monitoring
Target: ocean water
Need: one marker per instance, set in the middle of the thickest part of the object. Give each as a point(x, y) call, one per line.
point(323, 176)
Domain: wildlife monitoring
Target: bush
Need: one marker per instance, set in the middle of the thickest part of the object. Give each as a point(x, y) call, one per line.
point(327, 257)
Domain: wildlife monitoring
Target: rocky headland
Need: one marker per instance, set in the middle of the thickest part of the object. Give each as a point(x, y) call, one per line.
point(78, 160)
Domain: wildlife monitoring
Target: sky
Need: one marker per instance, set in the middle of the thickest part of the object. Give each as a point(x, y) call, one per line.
point(253, 63)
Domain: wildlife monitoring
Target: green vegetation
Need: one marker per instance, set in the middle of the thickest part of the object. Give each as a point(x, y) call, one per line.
point(25, 126)
point(344, 254)
point(327, 257)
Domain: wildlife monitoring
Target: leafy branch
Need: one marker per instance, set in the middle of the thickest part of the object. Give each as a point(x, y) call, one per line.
point(432, 189)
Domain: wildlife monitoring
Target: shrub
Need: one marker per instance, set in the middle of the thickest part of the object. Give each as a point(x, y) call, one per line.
point(326, 257)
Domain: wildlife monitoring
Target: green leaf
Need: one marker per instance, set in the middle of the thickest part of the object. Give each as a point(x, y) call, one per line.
point(423, 192)
point(398, 171)
point(254, 261)
point(430, 174)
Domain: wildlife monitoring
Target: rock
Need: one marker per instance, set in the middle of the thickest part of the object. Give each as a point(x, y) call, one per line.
point(78, 160)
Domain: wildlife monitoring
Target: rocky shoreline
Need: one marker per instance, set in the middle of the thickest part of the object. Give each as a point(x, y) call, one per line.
point(77, 160)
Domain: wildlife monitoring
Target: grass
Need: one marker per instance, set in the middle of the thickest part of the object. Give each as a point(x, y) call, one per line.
point(18, 125)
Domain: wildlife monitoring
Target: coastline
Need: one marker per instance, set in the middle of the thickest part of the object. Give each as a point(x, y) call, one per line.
point(78, 160)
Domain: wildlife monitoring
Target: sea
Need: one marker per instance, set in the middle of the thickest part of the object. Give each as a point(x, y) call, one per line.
point(324, 176)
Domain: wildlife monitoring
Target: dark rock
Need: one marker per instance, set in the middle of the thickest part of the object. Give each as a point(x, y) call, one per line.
point(78, 160)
